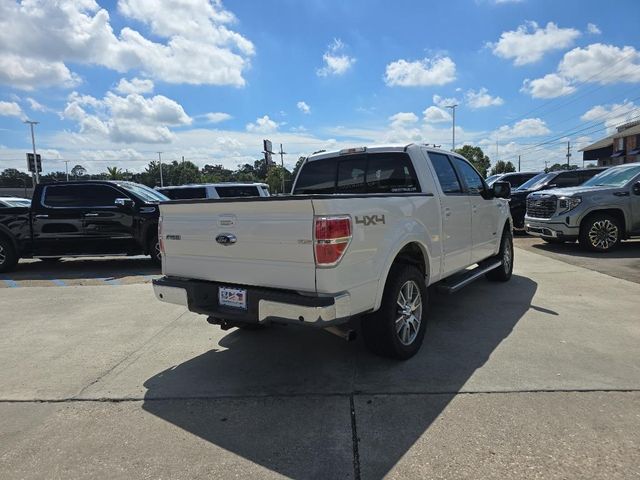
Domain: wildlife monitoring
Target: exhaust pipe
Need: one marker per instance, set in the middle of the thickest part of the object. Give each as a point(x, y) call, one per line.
point(348, 334)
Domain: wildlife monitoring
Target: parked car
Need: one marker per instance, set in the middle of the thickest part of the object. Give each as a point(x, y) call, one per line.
point(364, 233)
point(600, 213)
point(14, 202)
point(215, 190)
point(545, 181)
point(81, 219)
point(515, 179)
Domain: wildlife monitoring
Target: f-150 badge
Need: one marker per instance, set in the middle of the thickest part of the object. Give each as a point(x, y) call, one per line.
point(367, 220)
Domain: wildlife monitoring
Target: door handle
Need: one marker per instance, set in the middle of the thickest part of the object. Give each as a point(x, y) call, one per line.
point(42, 216)
point(91, 214)
point(621, 194)
point(447, 212)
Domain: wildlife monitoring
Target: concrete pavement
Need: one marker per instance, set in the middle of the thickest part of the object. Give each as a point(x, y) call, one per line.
point(539, 377)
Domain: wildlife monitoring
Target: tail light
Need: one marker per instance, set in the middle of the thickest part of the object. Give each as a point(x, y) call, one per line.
point(331, 239)
point(160, 240)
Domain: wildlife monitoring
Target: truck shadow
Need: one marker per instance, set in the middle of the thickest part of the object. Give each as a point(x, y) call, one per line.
point(289, 404)
point(83, 268)
point(629, 249)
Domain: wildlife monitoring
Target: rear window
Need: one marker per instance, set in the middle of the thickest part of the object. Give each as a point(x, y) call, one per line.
point(389, 172)
point(185, 193)
point(231, 191)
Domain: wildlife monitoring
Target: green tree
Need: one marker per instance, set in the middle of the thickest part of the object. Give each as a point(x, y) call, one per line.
point(560, 166)
point(299, 163)
point(12, 177)
point(217, 174)
point(78, 171)
point(274, 179)
point(114, 173)
point(502, 167)
point(477, 157)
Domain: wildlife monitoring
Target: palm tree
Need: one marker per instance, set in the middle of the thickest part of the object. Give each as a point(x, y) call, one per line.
point(114, 173)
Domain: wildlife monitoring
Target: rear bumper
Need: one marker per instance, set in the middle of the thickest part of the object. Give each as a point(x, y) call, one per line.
point(264, 305)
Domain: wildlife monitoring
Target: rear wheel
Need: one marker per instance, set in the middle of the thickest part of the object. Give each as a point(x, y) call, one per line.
point(8, 255)
point(505, 255)
point(600, 232)
point(397, 329)
point(154, 250)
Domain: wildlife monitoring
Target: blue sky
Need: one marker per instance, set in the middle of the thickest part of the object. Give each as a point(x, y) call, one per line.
point(114, 82)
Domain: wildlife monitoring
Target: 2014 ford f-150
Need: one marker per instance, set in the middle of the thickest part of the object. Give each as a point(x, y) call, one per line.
point(364, 233)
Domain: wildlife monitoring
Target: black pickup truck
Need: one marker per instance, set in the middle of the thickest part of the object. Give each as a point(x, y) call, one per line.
point(88, 218)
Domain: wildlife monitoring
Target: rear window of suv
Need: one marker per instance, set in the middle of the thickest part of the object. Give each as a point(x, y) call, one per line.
point(386, 172)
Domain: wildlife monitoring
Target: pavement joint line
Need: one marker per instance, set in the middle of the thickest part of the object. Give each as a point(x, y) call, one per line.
point(308, 394)
point(354, 439)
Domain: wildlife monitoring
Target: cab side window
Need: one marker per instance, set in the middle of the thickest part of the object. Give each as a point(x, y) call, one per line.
point(77, 196)
point(447, 176)
point(475, 185)
point(567, 179)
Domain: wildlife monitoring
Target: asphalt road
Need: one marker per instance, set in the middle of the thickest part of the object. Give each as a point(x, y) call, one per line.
point(535, 378)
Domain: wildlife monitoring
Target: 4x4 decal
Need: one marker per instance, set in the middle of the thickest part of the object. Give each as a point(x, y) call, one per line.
point(367, 220)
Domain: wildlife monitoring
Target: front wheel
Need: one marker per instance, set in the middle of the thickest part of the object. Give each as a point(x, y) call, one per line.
point(397, 329)
point(8, 255)
point(503, 272)
point(600, 233)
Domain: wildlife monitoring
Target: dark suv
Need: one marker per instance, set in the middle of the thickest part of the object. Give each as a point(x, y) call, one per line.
point(546, 181)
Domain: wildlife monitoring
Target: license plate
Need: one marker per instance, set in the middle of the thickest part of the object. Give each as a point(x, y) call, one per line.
point(232, 297)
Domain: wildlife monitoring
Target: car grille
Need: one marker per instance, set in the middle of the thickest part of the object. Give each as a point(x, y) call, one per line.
point(541, 206)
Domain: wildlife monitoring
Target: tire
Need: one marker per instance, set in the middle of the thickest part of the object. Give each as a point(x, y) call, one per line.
point(600, 233)
point(8, 256)
point(154, 250)
point(393, 331)
point(505, 270)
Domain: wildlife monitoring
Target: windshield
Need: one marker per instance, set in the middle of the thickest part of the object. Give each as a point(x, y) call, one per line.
point(536, 181)
point(18, 203)
point(614, 177)
point(144, 193)
point(490, 181)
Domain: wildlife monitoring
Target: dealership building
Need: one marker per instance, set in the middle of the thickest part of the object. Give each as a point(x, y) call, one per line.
point(621, 147)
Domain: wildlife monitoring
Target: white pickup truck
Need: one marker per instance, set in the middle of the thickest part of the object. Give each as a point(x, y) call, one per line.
point(364, 233)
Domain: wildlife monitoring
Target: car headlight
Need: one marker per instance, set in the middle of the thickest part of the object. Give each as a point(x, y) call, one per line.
point(566, 204)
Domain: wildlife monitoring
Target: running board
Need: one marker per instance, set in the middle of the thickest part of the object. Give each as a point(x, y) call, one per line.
point(462, 280)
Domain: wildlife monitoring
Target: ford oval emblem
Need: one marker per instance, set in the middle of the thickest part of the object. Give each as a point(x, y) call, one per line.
point(226, 239)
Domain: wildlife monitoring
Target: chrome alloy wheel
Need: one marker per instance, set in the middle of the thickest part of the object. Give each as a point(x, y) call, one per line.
point(158, 252)
point(507, 257)
point(409, 312)
point(603, 234)
point(3, 255)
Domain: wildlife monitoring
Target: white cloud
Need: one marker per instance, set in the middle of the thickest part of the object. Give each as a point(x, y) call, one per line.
point(126, 119)
point(425, 72)
point(551, 85)
point(263, 125)
point(436, 115)
point(37, 106)
point(595, 63)
point(528, 127)
point(217, 117)
point(403, 118)
point(135, 85)
point(443, 102)
point(303, 107)
point(195, 45)
point(529, 42)
point(335, 62)
point(10, 109)
point(593, 29)
point(481, 99)
point(612, 115)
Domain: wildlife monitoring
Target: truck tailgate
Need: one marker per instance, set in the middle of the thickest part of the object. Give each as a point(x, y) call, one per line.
point(273, 242)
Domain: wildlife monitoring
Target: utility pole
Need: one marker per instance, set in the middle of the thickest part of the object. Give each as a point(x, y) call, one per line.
point(66, 168)
point(282, 154)
point(160, 160)
point(518, 162)
point(545, 165)
point(496, 150)
point(453, 118)
point(568, 154)
point(33, 144)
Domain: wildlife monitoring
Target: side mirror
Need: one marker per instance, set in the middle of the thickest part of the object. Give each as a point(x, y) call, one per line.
point(636, 188)
point(501, 190)
point(123, 202)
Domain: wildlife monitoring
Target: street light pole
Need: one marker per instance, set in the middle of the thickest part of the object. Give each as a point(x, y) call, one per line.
point(66, 168)
point(160, 160)
point(282, 154)
point(453, 116)
point(33, 144)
